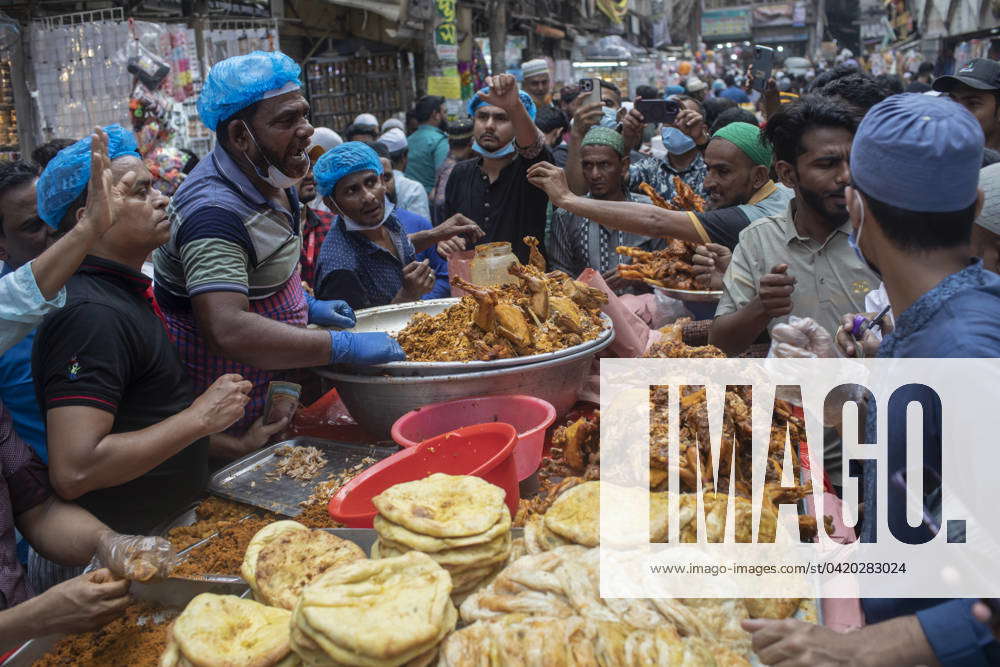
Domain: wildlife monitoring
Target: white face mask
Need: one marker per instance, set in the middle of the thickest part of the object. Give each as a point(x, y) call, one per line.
point(274, 176)
point(353, 226)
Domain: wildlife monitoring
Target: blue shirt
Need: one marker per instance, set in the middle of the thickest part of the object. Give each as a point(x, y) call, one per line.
point(17, 391)
point(413, 223)
point(735, 94)
point(958, 319)
point(358, 271)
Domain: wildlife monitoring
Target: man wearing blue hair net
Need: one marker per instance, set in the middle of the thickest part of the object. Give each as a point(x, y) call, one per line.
point(228, 279)
point(367, 259)
point(493, 189)
point(912, 225)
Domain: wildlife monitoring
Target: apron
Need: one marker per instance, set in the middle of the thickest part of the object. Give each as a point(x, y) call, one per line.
point(287, 305)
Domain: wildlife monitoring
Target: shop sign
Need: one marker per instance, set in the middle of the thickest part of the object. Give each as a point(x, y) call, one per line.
point(734, 23)
point(770, 15)
point(446, 33)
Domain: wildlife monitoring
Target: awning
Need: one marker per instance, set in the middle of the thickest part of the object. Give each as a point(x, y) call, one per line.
point(384, 8)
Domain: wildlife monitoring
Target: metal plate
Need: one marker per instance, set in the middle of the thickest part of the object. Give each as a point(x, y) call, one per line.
point(244, 481)
point(698, 296)
point(394, 318)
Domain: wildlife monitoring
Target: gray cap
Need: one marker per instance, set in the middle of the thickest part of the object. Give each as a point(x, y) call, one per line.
point(989, 183)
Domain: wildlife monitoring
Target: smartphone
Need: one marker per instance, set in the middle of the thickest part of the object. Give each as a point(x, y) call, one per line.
point(590, 91)
point(763, 63)
point(658, 111)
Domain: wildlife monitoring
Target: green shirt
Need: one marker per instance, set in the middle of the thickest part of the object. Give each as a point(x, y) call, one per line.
point(832, 281)
point(428, 149)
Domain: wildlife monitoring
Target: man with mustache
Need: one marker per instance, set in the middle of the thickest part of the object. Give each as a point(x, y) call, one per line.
point(228, 280)
point(798, 262)
point(493, 190)
point(737, 187)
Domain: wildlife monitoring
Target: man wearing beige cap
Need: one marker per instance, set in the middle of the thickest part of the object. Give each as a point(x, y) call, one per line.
point(696, 88)
point(537, 81)
point(986, 231)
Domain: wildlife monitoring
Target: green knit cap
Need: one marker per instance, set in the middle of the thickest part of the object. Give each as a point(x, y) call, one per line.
point(748, 139)
point(604, 136)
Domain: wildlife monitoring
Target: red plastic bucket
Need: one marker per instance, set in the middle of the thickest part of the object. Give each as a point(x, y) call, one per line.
point(529, 415)
point(483, 450)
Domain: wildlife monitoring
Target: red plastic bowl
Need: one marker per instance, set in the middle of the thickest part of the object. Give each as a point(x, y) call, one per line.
point(483, 450)
point(529, 415)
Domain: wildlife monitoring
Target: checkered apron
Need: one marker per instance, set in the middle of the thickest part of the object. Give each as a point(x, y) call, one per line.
point(288, 305)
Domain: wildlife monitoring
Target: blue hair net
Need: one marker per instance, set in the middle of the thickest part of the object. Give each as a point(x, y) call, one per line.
point(67, 174)
point(342, 160)
point(235, 83)
point(477, 102)
point(673, 90)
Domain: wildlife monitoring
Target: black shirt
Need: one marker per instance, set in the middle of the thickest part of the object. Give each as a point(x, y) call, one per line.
point(108, 349)
point(508, 209)
point(724, 225)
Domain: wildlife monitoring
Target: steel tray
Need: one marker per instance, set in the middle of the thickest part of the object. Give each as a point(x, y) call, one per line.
point(244, 480)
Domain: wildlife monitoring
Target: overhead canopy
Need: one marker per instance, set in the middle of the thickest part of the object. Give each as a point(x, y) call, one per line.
point(388, 9)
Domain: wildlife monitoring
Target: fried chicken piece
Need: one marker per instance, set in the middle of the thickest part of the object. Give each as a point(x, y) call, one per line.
point(535, 258)
point(566, 314)
point(685, 198)
point(538, 299)
point(486, 302)
point(512, 325)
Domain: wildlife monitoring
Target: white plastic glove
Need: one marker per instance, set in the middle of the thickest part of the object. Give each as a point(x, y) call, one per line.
point(801, 337)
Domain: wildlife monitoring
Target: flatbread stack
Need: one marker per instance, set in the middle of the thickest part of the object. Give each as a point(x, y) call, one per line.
point(461, 522)
point(226, 631)
point(547, 641)
point(285, 556)
point(375, 613)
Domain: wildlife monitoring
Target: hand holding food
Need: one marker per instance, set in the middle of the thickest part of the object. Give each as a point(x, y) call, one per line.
point(135, 557)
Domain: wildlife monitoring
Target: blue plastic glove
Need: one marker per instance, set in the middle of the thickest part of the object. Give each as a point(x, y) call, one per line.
point(364, 348)
point(330, 313)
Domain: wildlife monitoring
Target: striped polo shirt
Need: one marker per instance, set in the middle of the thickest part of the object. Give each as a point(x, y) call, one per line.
point(225, 237)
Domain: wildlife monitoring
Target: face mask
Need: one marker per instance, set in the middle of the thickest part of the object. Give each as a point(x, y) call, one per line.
point(610, 118)
point(675, 141)
point(353, 226)
point(273, 176)
point(502, 152)
point(855, 235)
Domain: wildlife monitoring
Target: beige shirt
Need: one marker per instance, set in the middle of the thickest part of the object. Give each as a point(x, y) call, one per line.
point(832, 280)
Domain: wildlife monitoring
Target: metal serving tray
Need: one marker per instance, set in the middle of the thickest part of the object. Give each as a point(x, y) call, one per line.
point(245, 480)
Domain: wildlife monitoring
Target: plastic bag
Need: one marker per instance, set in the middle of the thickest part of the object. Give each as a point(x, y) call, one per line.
point(801, 337)
point(136, 557)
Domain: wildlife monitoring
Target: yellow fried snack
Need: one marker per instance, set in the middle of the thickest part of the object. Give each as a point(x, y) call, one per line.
point(443, 505)
point(393, 532)
point(227, 631)
point(249, 567)
point(376, 613)
point(290, 561)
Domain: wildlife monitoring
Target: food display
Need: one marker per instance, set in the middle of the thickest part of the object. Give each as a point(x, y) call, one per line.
point(284, 557)
point(460, 522)
point(670, 267)
point(393, 611)
point(137, 637)
point(211, 515)
point(542, 312)
point(228, 630)
point(301, 463)
point(223, 554)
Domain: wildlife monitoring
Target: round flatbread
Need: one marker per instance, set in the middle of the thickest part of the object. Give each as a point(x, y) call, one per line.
point(227, 631)
point(261, 539)
point(396, 533)
point(457, 560)
point(443, 505)
point(372, 611)
point(576, 516)
point(290, 561)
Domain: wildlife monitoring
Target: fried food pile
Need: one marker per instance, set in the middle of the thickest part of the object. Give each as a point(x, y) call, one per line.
point(284, 557)
point(136, 638)
point(670, 267)
point(387, 612)
point(460, 522)
point(544, 312)
point(227, 630)
point(302, 463)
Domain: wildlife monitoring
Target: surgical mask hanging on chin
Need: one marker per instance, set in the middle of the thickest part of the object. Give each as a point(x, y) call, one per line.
point(502, 152)
point(675, 141)
point(353, 226)
point(855, 235)
point(609, 118)
point(273, 176)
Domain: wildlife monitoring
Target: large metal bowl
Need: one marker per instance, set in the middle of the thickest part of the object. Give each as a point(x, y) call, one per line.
point(377, 402)
point(394, 318)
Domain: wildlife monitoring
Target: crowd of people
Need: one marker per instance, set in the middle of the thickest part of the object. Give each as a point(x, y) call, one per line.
point(139, 332)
